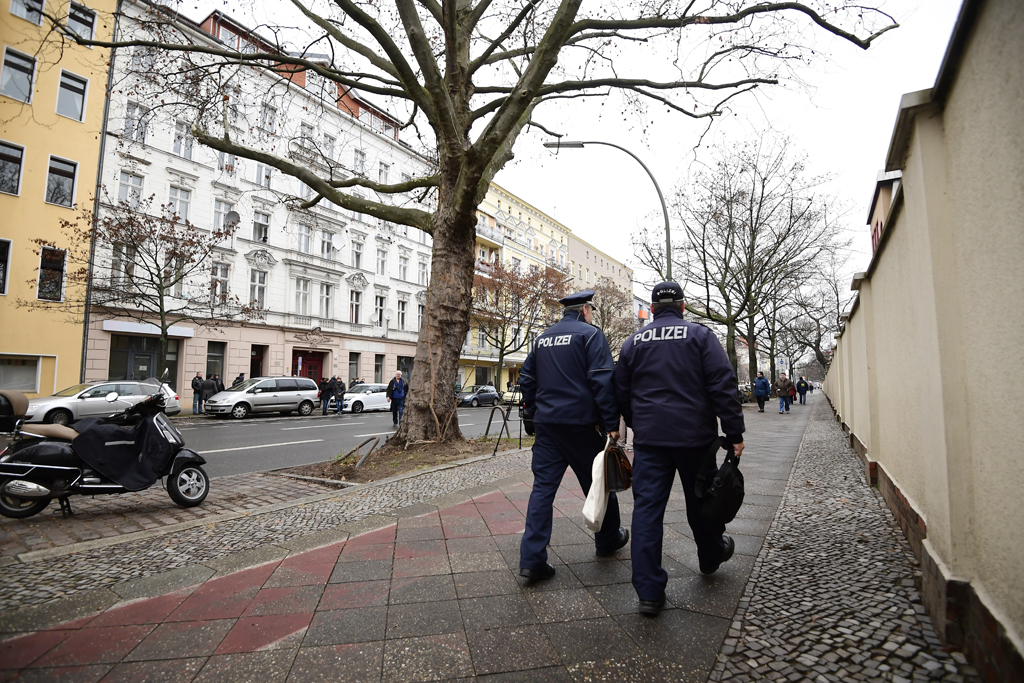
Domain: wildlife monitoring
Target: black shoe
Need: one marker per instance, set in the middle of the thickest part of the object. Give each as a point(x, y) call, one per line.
point(652, 608)
point(545, 572)
point(623, 540)
point(730, 548)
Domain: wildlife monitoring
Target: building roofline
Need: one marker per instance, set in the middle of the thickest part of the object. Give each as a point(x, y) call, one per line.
point(883, 177)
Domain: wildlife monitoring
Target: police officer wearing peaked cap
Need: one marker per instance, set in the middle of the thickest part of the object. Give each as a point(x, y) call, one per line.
point(567, 386)
point(674, 383)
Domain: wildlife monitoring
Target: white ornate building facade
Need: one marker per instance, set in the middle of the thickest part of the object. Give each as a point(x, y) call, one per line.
point(344, 293)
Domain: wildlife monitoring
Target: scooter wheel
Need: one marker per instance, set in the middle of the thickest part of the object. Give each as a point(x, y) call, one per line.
point(188, 486)
point(18, 508)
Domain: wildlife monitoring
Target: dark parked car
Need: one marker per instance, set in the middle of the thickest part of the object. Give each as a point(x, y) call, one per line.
point(479, 395)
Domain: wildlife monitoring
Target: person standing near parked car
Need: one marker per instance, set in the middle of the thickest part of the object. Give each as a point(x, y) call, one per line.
point(197, 394)
point(209, 388)
point(397, 388)
point(761, 391)
point(219, 383)
point(331, 391)
point(239, 379)
point(783, 387)
point(324, 398)
point(801, 388)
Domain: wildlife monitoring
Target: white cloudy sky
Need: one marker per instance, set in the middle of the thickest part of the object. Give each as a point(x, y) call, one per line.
point(841, 115)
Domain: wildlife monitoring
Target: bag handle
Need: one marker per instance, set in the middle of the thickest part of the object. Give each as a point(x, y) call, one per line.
point(710, 460)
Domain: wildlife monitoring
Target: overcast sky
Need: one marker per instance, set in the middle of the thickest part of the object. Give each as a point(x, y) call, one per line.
point(841, 115)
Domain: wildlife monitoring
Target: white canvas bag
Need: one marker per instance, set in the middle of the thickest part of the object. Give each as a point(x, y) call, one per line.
point(597, 498)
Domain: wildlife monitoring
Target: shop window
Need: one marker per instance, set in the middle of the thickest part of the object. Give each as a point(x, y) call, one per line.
point(378, 368)
point(405, 366)
point(215, 352)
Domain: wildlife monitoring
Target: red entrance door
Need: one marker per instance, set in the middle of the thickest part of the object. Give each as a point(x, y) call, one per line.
point(307, 364)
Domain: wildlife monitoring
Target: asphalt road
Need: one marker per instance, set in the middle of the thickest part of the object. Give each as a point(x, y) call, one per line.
point(268, 442)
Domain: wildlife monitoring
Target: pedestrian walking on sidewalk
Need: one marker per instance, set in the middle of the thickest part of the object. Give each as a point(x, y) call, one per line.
point(761, 391)
point(567, 389)
point(674, 384)
point(801, 388)
point(397, 389)
point(197, 394)
point(783, 386)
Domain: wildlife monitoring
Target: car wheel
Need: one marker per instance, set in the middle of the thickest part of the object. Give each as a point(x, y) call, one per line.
point(188, 486)
point(240, 411)
point(60, 417)
point(357, 407)
point(475, 403)
point(306, 408)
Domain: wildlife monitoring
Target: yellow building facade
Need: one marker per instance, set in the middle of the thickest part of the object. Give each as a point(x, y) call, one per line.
point(52, 99)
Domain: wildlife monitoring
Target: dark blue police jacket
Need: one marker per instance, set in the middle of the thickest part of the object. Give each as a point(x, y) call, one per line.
point(567, 378)
point(673, 380)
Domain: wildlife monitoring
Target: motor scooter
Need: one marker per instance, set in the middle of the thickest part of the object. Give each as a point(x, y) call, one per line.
point(128, 451)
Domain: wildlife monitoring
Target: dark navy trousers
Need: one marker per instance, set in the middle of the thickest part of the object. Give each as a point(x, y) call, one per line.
point(654, 469)
point(555, 448)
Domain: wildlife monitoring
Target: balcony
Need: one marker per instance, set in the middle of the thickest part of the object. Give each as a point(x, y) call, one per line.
point(488, 234)
point(485, 267)
point(308, 322)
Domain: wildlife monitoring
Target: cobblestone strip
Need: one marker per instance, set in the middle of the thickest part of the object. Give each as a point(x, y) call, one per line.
point(46, 581)
point(833, 595)
point(112, 516)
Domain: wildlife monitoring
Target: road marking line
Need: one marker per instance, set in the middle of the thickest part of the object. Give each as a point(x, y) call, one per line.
point(377, 434)
point(266, 445)
point(343, 424)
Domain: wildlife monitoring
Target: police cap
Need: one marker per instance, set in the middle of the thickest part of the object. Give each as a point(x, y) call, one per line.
point(577, 299)
point(666, 292)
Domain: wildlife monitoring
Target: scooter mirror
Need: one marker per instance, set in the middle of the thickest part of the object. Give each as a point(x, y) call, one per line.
point(167, 372)
point(111, 397)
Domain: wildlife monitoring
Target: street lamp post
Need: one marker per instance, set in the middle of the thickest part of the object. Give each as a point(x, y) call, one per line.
point(574, 144)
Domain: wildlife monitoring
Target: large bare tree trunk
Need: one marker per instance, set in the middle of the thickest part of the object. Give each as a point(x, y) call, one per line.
point(751, 351)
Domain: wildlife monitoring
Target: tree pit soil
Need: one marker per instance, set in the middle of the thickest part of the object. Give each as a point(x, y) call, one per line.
point(387, 462)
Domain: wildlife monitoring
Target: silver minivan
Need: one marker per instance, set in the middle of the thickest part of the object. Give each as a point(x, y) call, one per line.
point(265, 395)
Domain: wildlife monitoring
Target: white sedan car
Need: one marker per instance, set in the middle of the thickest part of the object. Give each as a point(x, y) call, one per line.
point(366, 397)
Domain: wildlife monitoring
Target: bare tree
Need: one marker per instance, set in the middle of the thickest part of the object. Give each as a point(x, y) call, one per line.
point(613, 313)
point(513, 304)
point(752, 225)
point(475, 73)
point(148, 266)
point(817, 307)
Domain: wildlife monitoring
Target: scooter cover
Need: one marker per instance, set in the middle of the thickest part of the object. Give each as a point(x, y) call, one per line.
point(133, 458)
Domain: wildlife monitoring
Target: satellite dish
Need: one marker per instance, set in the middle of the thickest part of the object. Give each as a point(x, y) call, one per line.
point(338, 242)
point(232, 219)
point(388, 314)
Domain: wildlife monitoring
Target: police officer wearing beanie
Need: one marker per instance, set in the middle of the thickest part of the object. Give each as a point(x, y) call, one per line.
point(673, 383)
point(567, 387)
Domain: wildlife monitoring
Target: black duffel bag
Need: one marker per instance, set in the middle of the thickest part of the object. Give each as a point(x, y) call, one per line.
point(722, 494)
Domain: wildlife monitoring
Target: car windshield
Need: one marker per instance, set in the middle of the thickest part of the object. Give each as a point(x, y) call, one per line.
point(71, 391)
point(247, 384)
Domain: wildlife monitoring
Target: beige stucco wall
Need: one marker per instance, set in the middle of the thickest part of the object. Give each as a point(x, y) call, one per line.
point(945, 307)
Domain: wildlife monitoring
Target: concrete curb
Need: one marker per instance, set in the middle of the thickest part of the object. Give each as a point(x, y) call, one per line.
point(86, 603)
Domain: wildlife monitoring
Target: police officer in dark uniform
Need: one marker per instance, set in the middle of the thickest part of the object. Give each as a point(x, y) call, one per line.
point(673, 383)
point(567, 387)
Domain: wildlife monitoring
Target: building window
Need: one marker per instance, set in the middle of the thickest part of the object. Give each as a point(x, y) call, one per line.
point(260, 227)
point(122, 267)
point(302, 296)
point(353, 366)
point(403, 267)
point(258, 288)
point(60, 182)
point(71, 96)
point(178, 276)
point(19, 373)
point(81, 21)
point(421, 274)
point(263, 173)
point(182, 140)
point(135, 122)
point(382, 262)
point(378, 368)
point(268, 118)
point(378, 310)
point(304, 233)
point(16, 77)
point(420, 310)
point(403, 308)
point(357, 254)
point(305, 191)
point(329, 143)
point(359, 162)
point(326, 310)
point(215, 352)
point(180, 198)
point(226, 163)
point(218, 284)
point(220, 211)
point(354, 301)
point(10, 168)
point(405, 367)
point(129, 189)
point(326, 247)
point(306, 136)
point(382, 173)
point(5, 264)
point(50, 285)
point(30, 10)
point(143, 60)
point(481, 337)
